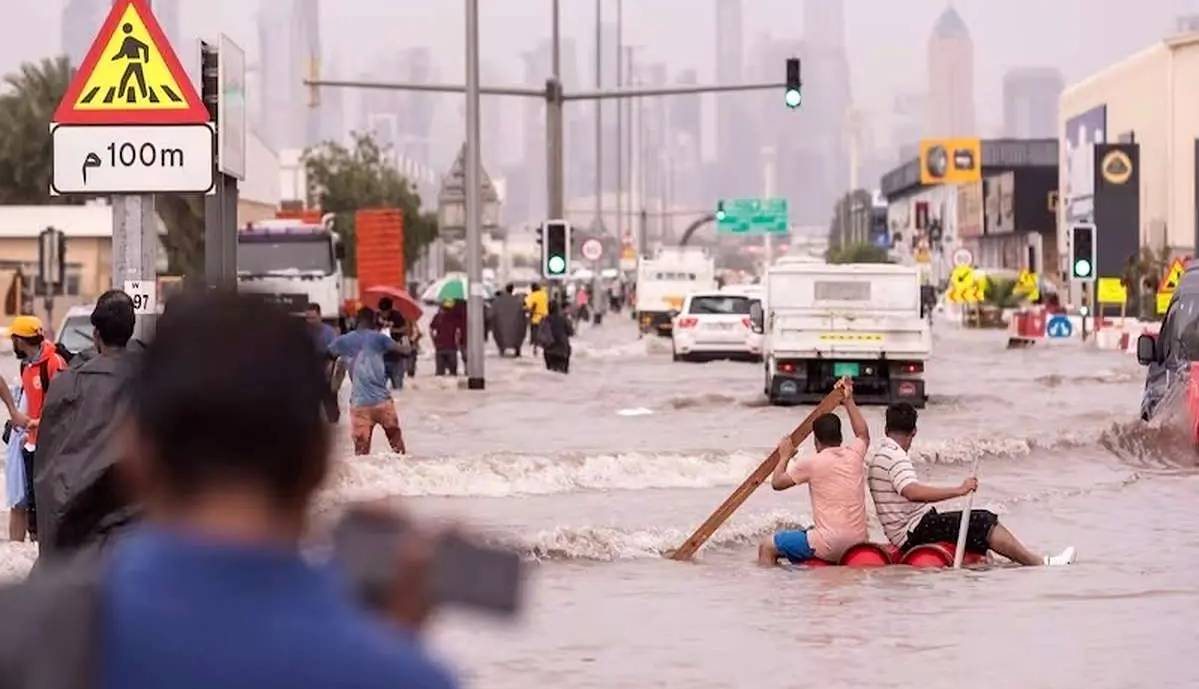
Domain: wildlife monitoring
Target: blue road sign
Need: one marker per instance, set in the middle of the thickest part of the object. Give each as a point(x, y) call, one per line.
point(1059, 326)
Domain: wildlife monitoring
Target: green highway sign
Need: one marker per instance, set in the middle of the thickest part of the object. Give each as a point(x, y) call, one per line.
point(752, 216)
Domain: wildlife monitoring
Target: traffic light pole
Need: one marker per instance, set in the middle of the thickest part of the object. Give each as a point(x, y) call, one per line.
point(474, 207)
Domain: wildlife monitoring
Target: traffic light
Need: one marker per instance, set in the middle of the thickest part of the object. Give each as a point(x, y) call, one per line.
point(794, 94)
point(720, 214)
point(1082, 263)
point(555, 249)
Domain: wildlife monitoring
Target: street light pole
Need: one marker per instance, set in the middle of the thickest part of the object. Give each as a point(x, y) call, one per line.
point(599, 119)
point(474, 209)
point(553, 134)
point(619, 134)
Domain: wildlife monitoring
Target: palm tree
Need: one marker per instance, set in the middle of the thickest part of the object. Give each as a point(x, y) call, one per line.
point(28, 98)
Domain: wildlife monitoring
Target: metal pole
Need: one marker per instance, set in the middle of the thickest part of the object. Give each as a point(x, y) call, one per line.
point(557, 65)
point(599, 120)
point(135, 249)
point(628, 143)
point(474, 210)
point(619, 135)
point(553, 124)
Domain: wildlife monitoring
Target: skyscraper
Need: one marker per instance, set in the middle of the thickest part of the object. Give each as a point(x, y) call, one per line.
point(734, 154)
point(1030, 97)
point(951, 77)
point(289, 47)
point(686, 142)
point(80, 18)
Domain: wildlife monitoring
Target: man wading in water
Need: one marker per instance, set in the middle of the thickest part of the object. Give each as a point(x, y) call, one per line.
point(905, 506)
point(836, 481)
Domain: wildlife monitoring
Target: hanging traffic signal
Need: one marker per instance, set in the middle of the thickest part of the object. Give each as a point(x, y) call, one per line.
point(555, 249)
point(720, 214)
point(1082, 263)
point(794, 93)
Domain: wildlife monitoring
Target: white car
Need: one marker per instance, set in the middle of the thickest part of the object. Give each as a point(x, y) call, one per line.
point(716, 325)
point(75, 330)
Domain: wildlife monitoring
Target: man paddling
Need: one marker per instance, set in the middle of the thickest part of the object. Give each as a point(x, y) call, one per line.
point(905, 508)
point(836, 483)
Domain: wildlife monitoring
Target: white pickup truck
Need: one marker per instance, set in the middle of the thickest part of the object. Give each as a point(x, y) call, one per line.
point(865, 321)
point(665, 280)
point(292, 264)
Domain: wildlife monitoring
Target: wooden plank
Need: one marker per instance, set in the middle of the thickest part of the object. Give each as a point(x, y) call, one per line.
point(743, 491)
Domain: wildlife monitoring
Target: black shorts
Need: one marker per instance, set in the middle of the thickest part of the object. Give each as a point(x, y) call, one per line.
point(938, 527)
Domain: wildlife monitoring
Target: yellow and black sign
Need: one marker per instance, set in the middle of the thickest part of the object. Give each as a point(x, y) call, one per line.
point(950, 161)
point(1116, 166)
point(1169, 283)
point(1028, 286)
point(131, 75)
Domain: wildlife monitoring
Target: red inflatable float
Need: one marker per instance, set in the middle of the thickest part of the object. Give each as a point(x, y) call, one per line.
point(929, 555)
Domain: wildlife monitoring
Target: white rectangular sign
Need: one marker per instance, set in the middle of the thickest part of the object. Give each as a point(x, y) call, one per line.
point(132, 159)
point(144, 294)
point(231, 116)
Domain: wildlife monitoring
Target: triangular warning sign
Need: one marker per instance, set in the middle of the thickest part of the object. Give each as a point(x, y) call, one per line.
point(1172, 277)
point(131, 76)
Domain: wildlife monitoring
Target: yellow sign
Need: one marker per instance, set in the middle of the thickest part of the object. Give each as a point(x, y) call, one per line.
point(950, 161)
point(131, 76)
point(1173, 276)
point(966, 286)
point(1027, 285)
point(851, 337)
point(1112, 291)
point(1163, 301)
point(1116, 166)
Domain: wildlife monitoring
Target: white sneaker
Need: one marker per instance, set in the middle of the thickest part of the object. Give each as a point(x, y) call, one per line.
point(1065, 557)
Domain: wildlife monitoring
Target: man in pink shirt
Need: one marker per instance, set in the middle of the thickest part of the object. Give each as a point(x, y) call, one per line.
point(836, 478)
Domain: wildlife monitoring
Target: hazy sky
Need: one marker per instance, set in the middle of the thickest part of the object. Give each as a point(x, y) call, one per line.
point(886, 38)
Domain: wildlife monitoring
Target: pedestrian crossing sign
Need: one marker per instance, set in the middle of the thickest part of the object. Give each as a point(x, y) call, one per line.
point(131, 75)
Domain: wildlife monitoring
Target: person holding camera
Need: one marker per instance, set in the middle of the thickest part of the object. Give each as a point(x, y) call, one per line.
point(225, 448)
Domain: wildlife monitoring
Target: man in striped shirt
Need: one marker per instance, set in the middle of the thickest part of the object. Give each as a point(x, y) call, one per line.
point(904, 505)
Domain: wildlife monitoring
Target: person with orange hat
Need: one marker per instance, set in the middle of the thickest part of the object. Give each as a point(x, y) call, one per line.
point(40, 363)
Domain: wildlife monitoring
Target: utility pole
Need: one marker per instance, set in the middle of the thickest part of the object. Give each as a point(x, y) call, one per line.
point(599, 119)
point(474, 209)
point(619, 133)
point(553, 122)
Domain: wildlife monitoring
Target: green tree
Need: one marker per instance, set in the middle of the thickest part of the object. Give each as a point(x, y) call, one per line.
point(28, 98)
point(858, 252)
point(344, 179)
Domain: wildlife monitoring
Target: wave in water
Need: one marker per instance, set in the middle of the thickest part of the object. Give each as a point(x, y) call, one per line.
point(503, 474)
point(606, 544)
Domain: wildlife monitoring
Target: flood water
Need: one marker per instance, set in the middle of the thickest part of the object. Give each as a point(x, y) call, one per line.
point(595, 475)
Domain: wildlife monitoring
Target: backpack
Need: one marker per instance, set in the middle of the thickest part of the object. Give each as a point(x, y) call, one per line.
point(43, 369)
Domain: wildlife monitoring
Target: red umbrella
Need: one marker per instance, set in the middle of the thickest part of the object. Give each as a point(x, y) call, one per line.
point(402, 301)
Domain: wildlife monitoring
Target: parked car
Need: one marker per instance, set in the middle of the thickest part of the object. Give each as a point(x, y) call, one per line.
point(75, 330)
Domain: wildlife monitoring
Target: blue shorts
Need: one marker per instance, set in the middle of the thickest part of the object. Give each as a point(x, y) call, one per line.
point(794, 546)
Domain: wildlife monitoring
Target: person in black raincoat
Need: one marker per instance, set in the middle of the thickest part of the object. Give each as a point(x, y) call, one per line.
point(509, 321)
point(75, 482)
point(554, 335)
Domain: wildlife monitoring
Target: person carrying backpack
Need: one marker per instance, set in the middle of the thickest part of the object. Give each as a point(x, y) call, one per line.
point(42, 363)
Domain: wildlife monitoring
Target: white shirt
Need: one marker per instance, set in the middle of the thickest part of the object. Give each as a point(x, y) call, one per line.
point(890, 471)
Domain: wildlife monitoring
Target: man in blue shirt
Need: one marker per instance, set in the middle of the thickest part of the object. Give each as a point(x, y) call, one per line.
point(370, 400)
point(323, 335)
point(227, 453)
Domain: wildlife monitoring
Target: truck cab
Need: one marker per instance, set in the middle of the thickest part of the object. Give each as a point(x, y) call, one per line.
point(292, 264)
point(821, 322)
point(664, 281)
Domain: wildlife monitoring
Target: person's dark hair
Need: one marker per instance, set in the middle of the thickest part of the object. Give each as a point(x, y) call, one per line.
point(827, 429)
point(113, 318)
point(314, 307)
point(385, 304)
point(366, 317)
point(228, 394)
point(901, 418)
point(536, 286)
point(509, 288)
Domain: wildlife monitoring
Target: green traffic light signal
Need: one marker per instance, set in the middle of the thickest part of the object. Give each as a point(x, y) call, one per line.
point(793, 98)
point(1082, 268)
point(556, 265)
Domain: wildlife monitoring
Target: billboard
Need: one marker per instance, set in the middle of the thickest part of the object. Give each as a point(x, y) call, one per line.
point(1117, 207)
point(1083, 131)
point(950, 161)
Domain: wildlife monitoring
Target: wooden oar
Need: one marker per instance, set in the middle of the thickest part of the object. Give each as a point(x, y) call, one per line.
point(739, 496)
point(960, 552)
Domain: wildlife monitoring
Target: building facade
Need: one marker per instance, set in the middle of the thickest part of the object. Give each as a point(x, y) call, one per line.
point(1148, 99)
